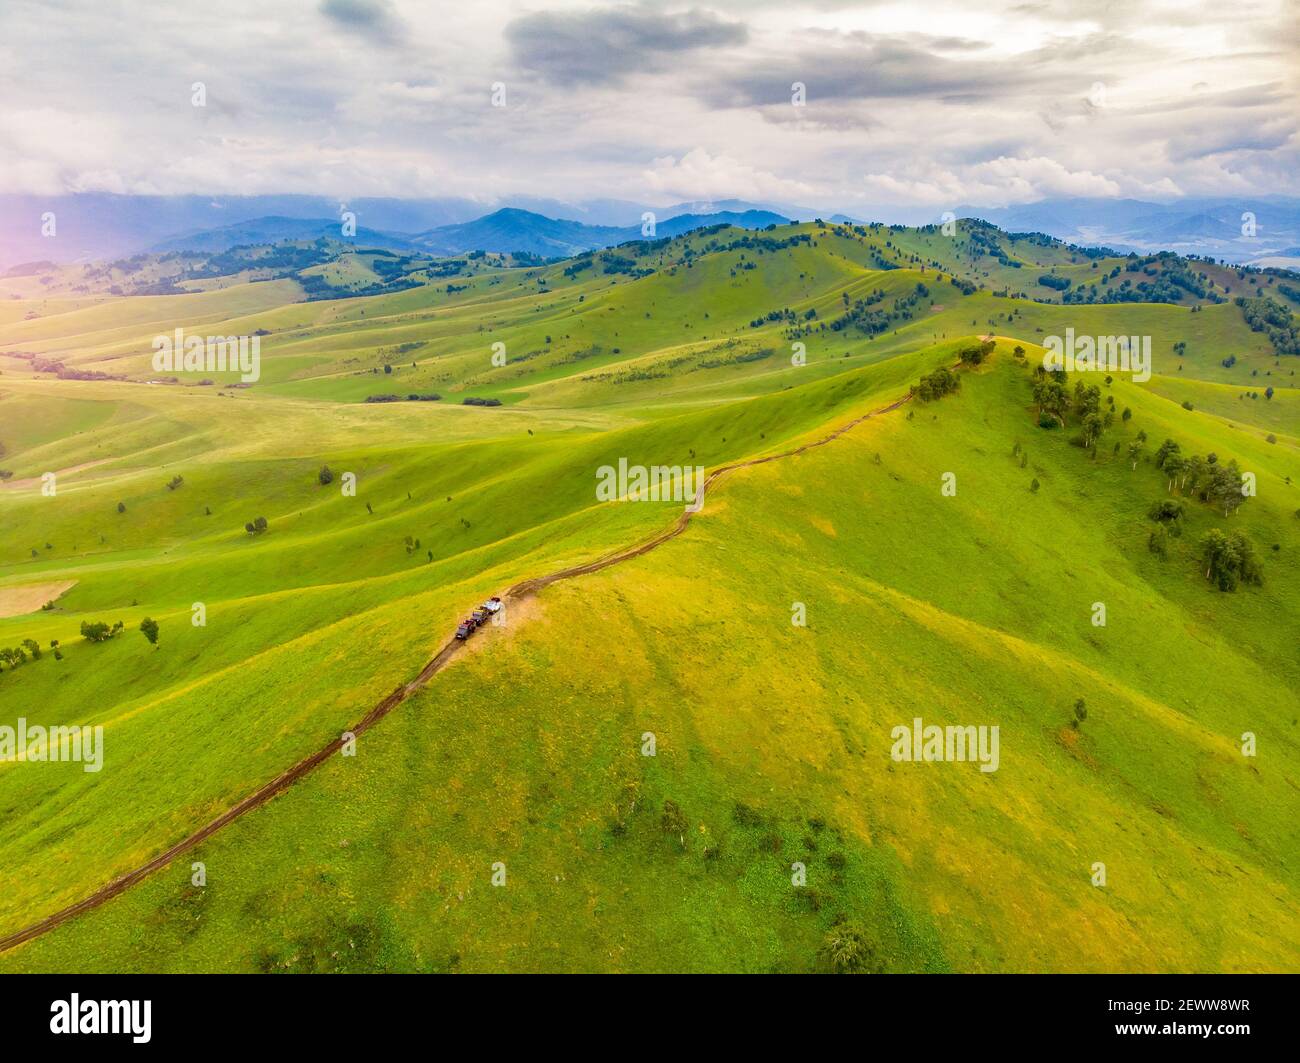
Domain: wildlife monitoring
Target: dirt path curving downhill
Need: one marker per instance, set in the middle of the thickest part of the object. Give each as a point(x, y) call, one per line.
point(437, 663)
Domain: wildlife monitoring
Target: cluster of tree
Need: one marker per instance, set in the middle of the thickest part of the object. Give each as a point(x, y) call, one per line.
point(389, 268)
point(763, 244)
point(1170, 280)
point(256, 527)
point(1262, 314)
point(13, 656)
point(983, 241)
point(871, 322)
point(1229, 560)
point(431, 396)
point(1087, 407)
point(975, 355)
point(99, 631)
point(1057, 283)
point(318, 288)
point(1051, 399)
point(943, 381)
point(784, 314)
point(1205, 478)
point(480, 402)
point(280, 259)
point(175, 482)
point(450, 268)
point(612, 263)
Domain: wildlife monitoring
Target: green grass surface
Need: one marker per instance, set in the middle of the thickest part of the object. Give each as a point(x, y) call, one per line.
point(773, 739)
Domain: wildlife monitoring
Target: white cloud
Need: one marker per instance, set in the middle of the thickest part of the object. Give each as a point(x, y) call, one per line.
point(699, 175)
point(966, 102)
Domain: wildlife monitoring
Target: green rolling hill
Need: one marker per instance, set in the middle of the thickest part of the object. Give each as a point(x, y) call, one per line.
point(946, 556)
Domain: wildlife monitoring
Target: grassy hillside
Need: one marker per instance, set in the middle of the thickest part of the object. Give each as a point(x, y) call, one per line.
point(772, 739)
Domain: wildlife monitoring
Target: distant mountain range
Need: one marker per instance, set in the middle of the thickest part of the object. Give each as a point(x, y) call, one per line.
point(1220, 228)
point(101, 226)
point(273, 230)
point(521, 230)
point(509, 229)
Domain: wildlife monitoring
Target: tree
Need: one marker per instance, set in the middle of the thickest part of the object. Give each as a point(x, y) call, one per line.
point(1051, 399)
point(1092, 428)
point(1080, 713)
point(1166, 450)
point(1224, 488)
point(98, 631)
point(850, 951)
point(1135, 452)
point(325, 476)
point(1173, 466)
point(1034, 485)
point(673, 821)
point(1229, 560)
point(121, 507)
point(175, 482)
point(1169, 514)
point(34, 648)
point(149, 628)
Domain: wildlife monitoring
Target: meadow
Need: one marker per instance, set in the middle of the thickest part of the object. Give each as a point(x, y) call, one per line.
point(770, 823)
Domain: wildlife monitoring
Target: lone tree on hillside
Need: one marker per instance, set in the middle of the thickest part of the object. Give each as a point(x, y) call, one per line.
point(1080, 713)
point(149, 629)
point(325, 476)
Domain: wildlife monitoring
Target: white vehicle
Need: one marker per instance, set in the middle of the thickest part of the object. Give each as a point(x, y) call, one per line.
point(493, 605)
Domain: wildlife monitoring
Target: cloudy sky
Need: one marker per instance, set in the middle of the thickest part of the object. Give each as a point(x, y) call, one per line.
point(936, 103)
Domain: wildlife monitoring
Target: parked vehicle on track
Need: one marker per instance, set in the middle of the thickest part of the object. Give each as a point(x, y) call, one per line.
point(478, 618)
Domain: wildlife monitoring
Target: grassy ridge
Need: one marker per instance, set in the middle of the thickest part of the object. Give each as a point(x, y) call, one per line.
point(772, 739)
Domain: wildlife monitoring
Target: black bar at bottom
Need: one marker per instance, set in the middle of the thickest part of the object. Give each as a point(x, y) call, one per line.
point(1244, 1012)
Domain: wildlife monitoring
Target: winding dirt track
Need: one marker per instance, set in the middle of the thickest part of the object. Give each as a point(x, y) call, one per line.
point(436, 664)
